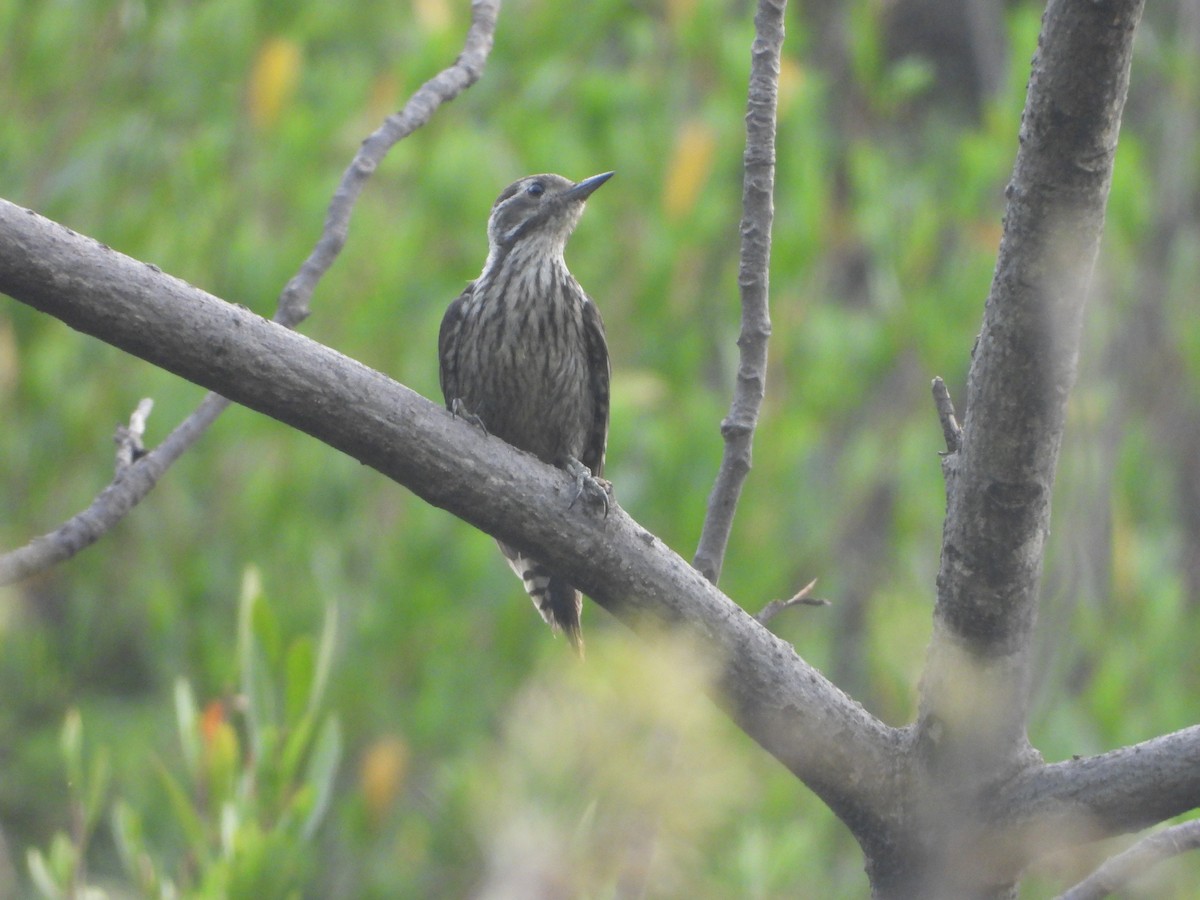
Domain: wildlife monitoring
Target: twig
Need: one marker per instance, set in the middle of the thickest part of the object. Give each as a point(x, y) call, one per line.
point(737, 430)
point(945, 409)
point(1117, 871)
point(441, 89)
point(133, 482)
point(800, 598)
point(753, 279)
point(129, 437)
point(126, 490)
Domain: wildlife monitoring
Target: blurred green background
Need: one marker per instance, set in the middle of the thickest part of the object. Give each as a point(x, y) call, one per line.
point(207, 137)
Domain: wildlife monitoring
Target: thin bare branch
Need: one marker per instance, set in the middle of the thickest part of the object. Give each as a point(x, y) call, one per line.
point(130, 447)
point(134, 482)
point(802, 597)
point(951, 430)
point(737, 429)
point(1150, 851)
point(128, 488)
point(754, 282)
point(439, 90)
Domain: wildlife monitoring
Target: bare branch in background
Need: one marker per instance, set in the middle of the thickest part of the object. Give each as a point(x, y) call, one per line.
point(441, 89)
point(951, 430)
point(802, 597)
point(129, 437)
point(1119, 870)
point(127, 489)
point(758, 212)
point(133, 482)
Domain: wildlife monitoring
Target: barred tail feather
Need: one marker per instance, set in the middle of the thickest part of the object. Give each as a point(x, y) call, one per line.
point(558, 602)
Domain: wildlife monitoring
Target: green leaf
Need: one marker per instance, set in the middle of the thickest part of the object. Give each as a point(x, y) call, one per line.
point(254, 671)
point(186, 816)
point(39, 874)
point(130, 838)
point(300, 679)
point(324, 657)
point(267, 631)
point(96, 789)
point(322, 772)
point(222, 763)
point(187, 720)
point(128, 835)
point(270, 777)
point(71, 742)
point(295, 748)
point(231, 825)
point(64, 858)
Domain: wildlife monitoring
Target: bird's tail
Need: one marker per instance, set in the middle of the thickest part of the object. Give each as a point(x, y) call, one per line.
point(558, 602)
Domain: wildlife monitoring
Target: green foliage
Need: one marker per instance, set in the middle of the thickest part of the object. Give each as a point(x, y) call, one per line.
point(206, 138)
point(61, 872)
point(253, 789)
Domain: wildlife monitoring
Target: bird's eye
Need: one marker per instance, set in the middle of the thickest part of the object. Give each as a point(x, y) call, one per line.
point(535, 189)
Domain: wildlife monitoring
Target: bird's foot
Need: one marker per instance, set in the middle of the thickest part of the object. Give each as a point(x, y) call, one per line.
point(459, 410)
point(596, 489)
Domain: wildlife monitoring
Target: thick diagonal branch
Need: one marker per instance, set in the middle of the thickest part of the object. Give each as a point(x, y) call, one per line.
point(1100, 796)
point(829, 741)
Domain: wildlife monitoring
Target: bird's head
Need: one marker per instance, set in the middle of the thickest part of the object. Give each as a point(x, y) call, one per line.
point(541, 208)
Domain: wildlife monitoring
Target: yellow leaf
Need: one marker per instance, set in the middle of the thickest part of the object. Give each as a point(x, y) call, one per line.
point(679, 12)
point(383, 98)
point(434, 15)
point(381, 775)
point(273, 80)
point(9, 358)
point(791, 80)
point(689, 169)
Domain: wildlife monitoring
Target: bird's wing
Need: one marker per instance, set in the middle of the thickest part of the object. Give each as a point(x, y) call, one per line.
point(448, 346)
point(599, 371)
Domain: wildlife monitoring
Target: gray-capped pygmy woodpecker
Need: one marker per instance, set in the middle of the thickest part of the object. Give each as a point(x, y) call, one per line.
point(522, 354)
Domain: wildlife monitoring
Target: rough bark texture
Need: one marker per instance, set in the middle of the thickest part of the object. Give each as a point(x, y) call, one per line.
point(970, 735)
point(1000, 480)
point(1093, 795)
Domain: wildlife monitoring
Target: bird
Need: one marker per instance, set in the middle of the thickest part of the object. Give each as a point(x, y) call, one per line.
point(523, 355)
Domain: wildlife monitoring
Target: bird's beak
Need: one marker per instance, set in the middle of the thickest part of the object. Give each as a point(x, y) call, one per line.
point(584, 189)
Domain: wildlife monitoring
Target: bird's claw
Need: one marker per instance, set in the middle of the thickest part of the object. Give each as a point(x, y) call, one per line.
point(459, 410)
point(598, 490)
